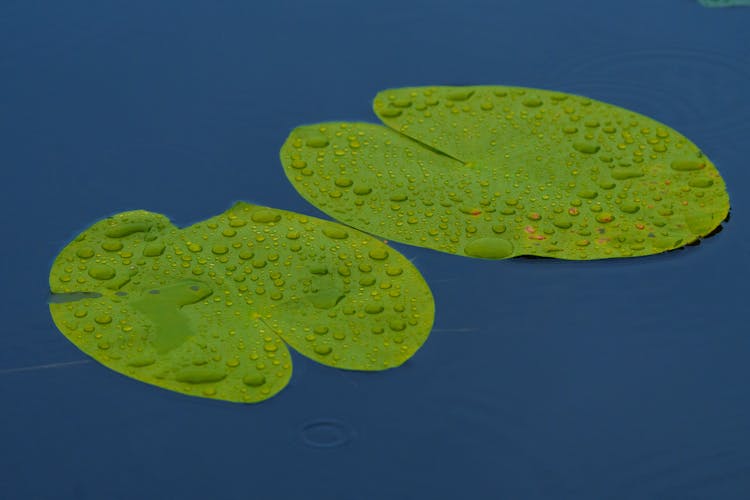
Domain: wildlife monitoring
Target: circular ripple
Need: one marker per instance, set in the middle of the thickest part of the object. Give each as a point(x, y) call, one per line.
point(656, 103)
point(326, 433)
point(710, 85)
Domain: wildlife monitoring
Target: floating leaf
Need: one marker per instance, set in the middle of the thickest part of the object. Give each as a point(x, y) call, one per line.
point(497, 172)
point(203, 310)
point(724, 3)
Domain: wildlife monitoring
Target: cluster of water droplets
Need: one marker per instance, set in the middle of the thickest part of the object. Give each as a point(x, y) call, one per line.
point(500, 171)
point(205, 310)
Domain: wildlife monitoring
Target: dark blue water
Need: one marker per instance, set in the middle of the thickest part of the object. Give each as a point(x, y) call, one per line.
point(542, 380)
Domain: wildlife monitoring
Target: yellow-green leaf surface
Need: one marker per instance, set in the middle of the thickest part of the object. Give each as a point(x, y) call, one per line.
point(725, 3)
point(208, 310)
point(496, 172)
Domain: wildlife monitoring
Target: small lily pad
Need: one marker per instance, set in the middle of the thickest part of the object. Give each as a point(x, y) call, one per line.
point(724, 3)
point(496, 172)
point(208, 310)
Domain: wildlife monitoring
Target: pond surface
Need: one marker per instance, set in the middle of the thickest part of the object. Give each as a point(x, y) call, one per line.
point(542, 379)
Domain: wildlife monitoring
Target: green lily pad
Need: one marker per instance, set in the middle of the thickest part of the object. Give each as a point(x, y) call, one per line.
point(497, 172)
point(724, 3)
point(208, 310)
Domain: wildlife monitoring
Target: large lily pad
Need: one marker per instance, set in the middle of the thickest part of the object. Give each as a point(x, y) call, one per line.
point(497, 172)
point(206, 310)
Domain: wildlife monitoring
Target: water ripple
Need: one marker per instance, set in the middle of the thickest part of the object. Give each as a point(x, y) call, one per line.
point(704, 90)
point(326, 433)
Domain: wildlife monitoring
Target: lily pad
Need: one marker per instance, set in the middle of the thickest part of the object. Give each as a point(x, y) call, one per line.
point(208, 310)
point(496, 172)
point(725, 3)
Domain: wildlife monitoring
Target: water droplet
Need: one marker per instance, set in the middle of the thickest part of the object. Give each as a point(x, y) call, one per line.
point(373, 308)
point(323, 350)
point(141, 361)
point(460, 95)
point(687, 165)
point(200, 375)
point(532, 102)
point(101, 272)
point(265, 216)
point(605, 217)
point(390, 112)
point(153, 249)
point(629, 208)
point(378, 253)
point(326, 299)
point(489, 248)
point(700, 223)
point(397, 325)
point(318, 141)
point(85, 253)
point(394, 271)
point(270, 347)
point(254, 379)
point(122, 230)
point(112, 245)
point(335, 233)
point(623, 173)
point(586, 147)
point(319, 270)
